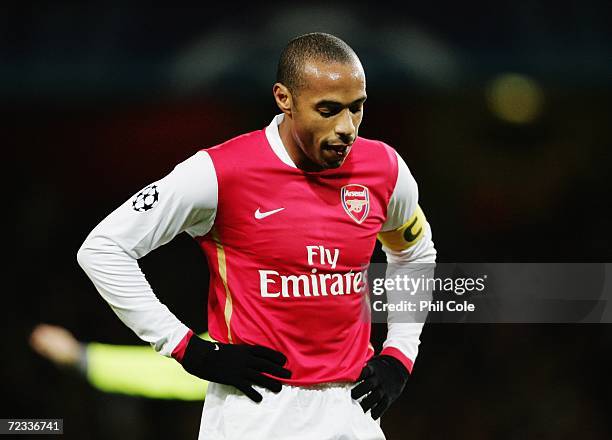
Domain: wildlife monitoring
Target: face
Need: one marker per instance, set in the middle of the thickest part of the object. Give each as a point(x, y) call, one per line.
point(325, 114)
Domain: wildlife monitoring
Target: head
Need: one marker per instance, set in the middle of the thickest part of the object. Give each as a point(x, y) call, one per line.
point(320, 87)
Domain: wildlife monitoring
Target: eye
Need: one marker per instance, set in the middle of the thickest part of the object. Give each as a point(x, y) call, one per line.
point(356, 109)
point(327, 112)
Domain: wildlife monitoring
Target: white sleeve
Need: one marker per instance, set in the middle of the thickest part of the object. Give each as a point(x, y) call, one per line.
point(402, 335)
point(403, 205)
point(184, 200)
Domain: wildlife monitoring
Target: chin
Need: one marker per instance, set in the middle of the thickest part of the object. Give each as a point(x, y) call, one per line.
point(332, 165)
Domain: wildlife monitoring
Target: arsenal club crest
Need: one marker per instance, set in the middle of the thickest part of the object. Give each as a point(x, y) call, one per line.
point(355, 201)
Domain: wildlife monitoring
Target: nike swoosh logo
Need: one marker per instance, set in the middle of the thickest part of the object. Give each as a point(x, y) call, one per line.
point(259, 215)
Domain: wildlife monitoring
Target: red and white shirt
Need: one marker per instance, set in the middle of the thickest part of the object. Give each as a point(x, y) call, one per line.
point(285, 248)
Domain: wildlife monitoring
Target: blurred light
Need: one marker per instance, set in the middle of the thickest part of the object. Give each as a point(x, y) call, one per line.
point(515, 98)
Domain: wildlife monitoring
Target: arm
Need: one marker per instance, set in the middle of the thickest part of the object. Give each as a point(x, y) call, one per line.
point(406, 240)
point(184, 200)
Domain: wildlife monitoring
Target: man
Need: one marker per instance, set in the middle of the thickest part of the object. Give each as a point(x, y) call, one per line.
point(287, 217)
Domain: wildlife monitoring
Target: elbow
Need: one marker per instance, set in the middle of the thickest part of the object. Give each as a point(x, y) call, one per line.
point(97, 251)
point(431, 253)
point(427, 254)
point(83, 255)
point(86, 254)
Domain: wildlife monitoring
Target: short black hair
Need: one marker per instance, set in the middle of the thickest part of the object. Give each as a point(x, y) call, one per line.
point(314, 46)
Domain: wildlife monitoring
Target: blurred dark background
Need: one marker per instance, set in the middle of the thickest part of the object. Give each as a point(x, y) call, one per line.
point(501, 110)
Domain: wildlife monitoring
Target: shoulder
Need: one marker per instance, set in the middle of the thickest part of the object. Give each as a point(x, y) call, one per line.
point(197, 167)
point(374, 145)
point(379, 152)
point(376, 149)
point(193, 181)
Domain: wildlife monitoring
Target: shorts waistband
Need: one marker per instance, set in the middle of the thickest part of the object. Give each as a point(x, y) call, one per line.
point(322, 386)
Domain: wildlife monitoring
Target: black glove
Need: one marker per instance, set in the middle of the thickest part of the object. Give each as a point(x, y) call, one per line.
point(384, 377)
point(238, 365)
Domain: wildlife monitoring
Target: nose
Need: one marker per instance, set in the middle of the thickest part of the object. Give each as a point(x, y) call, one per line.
point(345, 129)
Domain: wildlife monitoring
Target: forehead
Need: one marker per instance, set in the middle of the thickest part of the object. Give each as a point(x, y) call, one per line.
point(341, 82)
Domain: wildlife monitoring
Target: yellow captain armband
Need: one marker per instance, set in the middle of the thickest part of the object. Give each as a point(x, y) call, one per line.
point(406, 235)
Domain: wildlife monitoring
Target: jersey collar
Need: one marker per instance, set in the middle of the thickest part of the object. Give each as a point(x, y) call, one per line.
point(276, 142)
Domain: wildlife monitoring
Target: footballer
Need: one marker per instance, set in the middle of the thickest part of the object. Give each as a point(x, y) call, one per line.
point(287, 217)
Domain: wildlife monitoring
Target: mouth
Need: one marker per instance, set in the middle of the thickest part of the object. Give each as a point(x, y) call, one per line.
point(338, 150)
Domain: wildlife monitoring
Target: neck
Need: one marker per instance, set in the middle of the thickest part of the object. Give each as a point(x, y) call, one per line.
point(293, 149)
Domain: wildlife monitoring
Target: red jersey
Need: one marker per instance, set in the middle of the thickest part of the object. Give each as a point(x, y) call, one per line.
point(286, 250)
point(287, 253)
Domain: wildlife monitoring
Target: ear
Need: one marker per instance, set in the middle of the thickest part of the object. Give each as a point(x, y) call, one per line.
point(283, 98)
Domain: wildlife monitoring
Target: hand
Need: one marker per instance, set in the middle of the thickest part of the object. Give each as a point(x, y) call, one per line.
point(238, 365)
point(384, 378)
point(56, 344)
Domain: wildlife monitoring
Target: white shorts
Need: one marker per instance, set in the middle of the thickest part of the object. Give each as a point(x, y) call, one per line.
point(321, 412)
